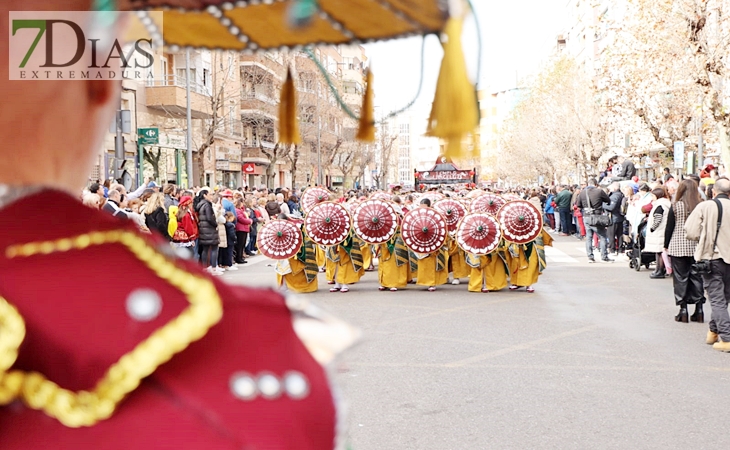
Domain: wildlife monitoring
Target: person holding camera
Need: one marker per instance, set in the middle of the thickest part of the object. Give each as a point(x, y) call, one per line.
point(591, 201)
point(713, 259)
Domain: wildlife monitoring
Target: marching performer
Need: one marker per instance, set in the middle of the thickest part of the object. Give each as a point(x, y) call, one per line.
point(329, 223)
point(394, 264)
point(348, 263)
point(299, 273)
point(453, 211)
point(479, 235)
point(522, 225)
point(425, 232)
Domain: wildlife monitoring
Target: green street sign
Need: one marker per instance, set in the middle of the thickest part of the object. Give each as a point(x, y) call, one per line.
point(148, 136)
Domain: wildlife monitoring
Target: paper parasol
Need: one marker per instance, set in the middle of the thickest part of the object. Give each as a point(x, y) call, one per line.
point(478, 233)
point(521, 222)
point(452, 210)
point(487, 203)
point(313, 195)
point(424, 230)
point(279, 239)
point(375, 221)
point(327, 223)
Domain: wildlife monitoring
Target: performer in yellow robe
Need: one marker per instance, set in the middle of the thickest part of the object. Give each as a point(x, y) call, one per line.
point(488, 272)
point(299, 273)
point(330, 264)
point(347, 259)
point(367, 257)
point(527, 262)
point(394, 264)
point(433, 268)
point(457, 262)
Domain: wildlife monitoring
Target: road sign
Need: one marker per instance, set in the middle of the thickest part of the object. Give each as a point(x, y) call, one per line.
point(148, 136)
point(679, 155)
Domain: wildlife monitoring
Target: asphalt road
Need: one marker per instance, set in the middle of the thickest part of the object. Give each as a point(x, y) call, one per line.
point(592, 359)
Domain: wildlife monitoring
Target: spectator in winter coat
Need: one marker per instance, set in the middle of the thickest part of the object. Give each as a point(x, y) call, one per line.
point(550, 209)
point(227, 203)
point(658, 218)
point(616, 229)
point(186, 235)
point(563, 201)
point(208, 227)
point(112, 205)
point(170, 192)
point(253, 233)
point(155, 216)
point(230, 227)
point(243, 228)
point(272, 207)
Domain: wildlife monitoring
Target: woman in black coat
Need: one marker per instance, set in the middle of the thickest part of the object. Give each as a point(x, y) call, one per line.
point(208, 228)
point(155, 217)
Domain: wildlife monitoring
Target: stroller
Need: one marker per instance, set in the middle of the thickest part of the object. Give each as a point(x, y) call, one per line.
point(637, 256)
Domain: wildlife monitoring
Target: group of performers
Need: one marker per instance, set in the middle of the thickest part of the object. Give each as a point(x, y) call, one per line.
point(510, 262)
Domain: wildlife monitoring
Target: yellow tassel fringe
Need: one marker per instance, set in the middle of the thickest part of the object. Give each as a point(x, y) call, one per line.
point(288, 123)
point(455, 110)
point(366, 131)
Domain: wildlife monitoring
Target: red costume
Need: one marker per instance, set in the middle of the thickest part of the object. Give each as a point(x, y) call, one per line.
point(220, 366)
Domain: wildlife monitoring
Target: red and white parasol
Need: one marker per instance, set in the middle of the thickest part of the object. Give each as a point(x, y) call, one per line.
point(375, 221)
point(313, 195)
point(487, 203)
point(478, 233)
point(280, 239)
point(327, 223)
point(521, 222)
point(452, 210)
point(424, 230)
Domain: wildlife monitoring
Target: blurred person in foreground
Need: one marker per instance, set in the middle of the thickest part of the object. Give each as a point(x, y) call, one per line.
point(171, 358)
point(713, 248)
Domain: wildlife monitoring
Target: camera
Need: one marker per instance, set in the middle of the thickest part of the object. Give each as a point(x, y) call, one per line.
point(702, 267)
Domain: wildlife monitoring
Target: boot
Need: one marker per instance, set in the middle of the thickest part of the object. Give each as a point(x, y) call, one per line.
point(658, 274)
point(683, 315)
point(712, 337)
point(699, 315)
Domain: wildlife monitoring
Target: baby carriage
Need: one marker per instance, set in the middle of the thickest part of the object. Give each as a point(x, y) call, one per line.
point(637, 256)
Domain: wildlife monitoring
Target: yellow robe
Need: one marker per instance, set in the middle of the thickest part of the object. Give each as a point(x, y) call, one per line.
point(457, 261)
point(321, 257)
point(427, 274)
point(367, 256)
point(490, 273)
point(295, 279)
point(529, 263)
point(390, 274)
point(346, 273)
point(330, 268)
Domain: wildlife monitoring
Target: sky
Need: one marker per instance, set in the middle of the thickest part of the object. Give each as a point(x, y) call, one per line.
point(517, 36)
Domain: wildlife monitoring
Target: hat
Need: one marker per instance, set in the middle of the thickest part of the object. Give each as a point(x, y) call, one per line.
point(152, 184)
point(227, 193)
point(709, 167)
point(185, 200)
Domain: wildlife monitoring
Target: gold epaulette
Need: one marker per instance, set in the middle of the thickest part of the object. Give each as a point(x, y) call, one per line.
point(86, 408)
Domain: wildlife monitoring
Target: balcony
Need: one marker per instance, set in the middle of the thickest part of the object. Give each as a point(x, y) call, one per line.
point(168, 94)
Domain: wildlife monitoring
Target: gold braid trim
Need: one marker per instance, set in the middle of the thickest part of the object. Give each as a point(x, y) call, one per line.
point(80, 409)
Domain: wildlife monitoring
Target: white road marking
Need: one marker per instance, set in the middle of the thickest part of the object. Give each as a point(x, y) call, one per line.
point(554, 255)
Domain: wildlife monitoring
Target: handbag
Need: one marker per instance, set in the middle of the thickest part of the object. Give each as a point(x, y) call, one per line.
point(180, 235)
point(704, 267)
point(594, 219)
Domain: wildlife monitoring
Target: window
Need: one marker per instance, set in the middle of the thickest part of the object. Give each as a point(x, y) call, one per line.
point(206, 77)
point(308, 114)
point(163, 70)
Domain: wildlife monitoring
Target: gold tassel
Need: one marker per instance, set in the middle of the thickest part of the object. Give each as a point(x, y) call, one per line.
point(455, 110)
point(366, 131)
point(288, 123)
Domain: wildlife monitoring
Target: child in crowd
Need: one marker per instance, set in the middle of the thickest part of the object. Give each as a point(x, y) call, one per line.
point(227, 258)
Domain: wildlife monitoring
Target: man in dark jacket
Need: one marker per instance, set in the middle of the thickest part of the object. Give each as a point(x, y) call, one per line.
point(566, 217)
point(112, 205)
point(591, 202)
point(616, 229)
point(628, 170)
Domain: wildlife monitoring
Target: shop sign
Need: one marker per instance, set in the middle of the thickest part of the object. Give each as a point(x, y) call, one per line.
point(222, 164)
point(249, 168)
